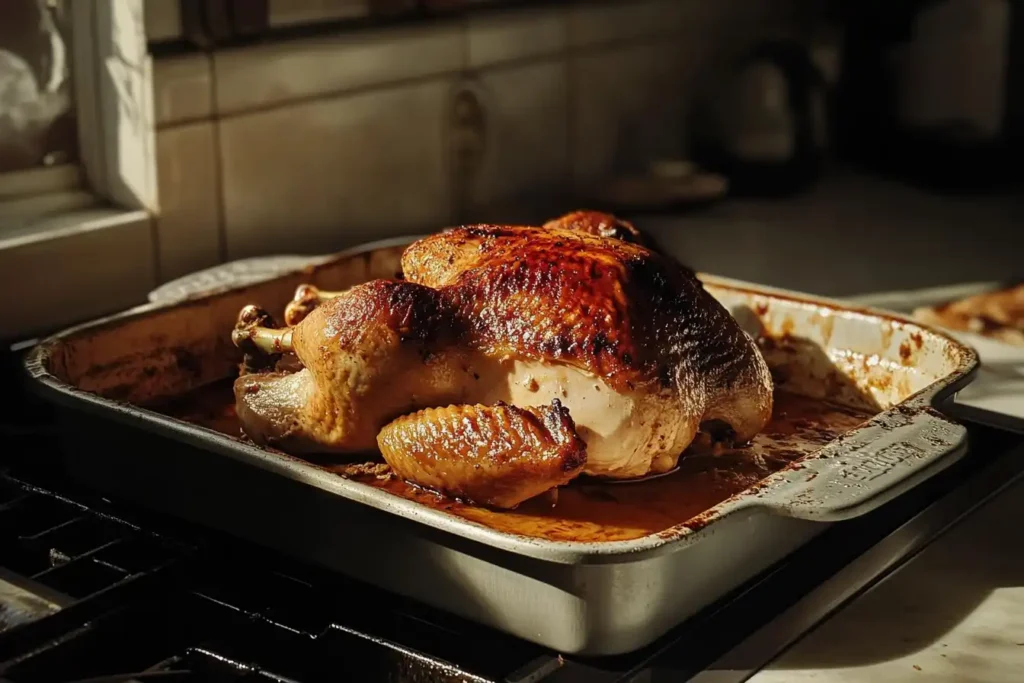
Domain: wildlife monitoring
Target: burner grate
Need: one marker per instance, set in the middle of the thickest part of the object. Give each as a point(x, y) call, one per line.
point(81, 578)
point(122, 641)
point(80, 536)
point(67, 548)
point(387, 631)
point(136, 554)
point(237, 622)
point(201, 639)
point(9, 492)
point(62, 564)
point(31, 515)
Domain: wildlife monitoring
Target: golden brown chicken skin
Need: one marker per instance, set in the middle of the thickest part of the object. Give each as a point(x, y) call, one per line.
point(599, 224)
point(497, 455)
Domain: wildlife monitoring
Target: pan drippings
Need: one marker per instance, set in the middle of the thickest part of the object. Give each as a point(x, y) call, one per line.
point(589, 510)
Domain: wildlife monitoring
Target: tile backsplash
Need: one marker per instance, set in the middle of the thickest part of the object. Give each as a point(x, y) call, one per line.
point(321, 174)
point(314, 144)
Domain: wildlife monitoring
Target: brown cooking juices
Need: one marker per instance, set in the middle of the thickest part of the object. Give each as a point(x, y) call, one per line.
point(589, 510)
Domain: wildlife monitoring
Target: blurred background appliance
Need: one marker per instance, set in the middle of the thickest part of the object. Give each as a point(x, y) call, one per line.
point(932, 90)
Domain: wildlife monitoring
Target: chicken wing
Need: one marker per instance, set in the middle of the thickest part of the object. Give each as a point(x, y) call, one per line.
point(495, 455)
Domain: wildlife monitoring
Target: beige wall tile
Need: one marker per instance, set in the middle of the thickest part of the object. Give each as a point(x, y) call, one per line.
point(629, 106)
point(162, 19)
point(297, 12)
point(527, 137)
point(319, 176)
point(629, 20)
point(633, 104)
point(256, 77)
point(182, 89)
point(188, 226)
point(102, 265)
point(790, 11)
point(510, 35)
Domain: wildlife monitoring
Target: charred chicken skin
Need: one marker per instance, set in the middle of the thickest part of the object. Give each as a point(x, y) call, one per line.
point(623, 345)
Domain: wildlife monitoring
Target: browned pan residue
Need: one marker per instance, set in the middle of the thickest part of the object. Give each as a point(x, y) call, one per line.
point(593, 511)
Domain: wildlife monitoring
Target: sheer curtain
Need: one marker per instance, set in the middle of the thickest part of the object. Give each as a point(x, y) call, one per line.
point(37, 125)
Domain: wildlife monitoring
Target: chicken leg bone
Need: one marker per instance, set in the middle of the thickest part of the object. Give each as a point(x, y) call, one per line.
point(307, 297)
point(254, 333)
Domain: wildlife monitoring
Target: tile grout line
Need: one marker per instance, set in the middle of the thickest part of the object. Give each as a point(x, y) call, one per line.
point(570, 100)
point(460, 199)
point(369, 88)
point(218, 165)
point(460, 70)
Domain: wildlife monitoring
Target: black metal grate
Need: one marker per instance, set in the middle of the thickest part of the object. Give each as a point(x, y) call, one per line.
point(62, 564)
point(69, 549)
point(231, 619)
point(204, 638)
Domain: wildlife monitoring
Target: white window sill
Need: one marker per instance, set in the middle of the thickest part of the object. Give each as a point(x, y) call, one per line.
point(30, 216)
point(66, 254)
point(66, 267)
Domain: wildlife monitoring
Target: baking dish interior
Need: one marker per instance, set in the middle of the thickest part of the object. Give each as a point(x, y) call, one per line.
point(860, 363)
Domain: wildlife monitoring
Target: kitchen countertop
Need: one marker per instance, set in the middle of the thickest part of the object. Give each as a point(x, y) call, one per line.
point(955, 612)
point(851, 233)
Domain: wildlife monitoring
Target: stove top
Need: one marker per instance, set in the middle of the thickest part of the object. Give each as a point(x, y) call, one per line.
point(97, 590)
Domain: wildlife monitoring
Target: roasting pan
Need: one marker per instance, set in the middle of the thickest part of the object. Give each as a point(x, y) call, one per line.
point(589, 598)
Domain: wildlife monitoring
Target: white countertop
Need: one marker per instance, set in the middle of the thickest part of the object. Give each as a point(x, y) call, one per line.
point(953, 613)
point(850, 234)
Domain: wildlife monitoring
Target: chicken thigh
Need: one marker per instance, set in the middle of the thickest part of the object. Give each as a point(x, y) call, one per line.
point(626, 340)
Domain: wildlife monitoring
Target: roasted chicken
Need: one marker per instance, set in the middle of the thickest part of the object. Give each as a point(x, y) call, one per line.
point(578, 311)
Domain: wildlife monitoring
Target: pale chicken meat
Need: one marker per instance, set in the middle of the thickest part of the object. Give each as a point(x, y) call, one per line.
point(577, 312)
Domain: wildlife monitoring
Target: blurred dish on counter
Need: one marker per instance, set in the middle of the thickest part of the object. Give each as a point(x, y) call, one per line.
point(667, 185)
point(996, 314)
point(989, 317)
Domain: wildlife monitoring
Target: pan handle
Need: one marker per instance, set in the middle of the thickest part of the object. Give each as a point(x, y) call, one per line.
point(889, 456)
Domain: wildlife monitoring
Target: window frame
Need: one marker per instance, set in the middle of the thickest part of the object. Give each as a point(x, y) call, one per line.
point(87, 211)
point(113, 76)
